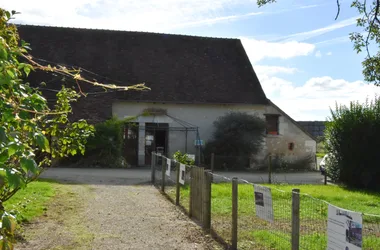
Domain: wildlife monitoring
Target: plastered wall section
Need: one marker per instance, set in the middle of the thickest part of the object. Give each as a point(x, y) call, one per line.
point(203, 116)
point(289, 132)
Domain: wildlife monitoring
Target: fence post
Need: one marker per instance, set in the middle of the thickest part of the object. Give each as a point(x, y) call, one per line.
point(163, 163)
point(207, 201)
point(270, 169)
point(295, 219)
point(212, 162)
point(177, 187)
point(325, 178)
point(191, 191)
point(234, 237)
point(153, 167)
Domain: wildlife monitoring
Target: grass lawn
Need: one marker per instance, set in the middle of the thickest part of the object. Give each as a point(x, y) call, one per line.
point(255, 233)
point(320, 155)
point(31, 202)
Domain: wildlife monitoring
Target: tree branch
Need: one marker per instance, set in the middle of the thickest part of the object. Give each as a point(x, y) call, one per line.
point(338, 5)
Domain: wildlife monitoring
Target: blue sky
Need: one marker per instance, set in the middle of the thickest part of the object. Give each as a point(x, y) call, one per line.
point(302, 56)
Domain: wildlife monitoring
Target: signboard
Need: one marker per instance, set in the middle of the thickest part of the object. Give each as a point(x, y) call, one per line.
point(182, 173)
point(263, 201)
point(198, 143)
point(344, 229)
point(168, 165)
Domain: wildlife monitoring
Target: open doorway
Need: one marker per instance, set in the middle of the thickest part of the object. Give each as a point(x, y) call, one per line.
point(156, 139)
point(131, 143)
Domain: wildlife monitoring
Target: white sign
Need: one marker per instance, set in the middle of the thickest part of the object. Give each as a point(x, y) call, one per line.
point(168, 165)
point(263, 201)
point(344, 229)
point(182, 173)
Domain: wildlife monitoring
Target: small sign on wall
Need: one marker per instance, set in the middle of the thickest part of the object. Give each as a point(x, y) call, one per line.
point(198, 143)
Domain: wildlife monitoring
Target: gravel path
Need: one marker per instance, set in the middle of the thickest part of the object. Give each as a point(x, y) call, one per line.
point(138, 217)
point(112, 213)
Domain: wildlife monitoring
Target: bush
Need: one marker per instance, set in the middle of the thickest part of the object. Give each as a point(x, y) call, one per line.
point(239, 135)
point(353, 140)
point(105, 148)
point(183, 158)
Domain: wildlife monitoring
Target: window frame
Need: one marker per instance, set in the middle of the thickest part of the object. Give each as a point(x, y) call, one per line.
point(273, 116)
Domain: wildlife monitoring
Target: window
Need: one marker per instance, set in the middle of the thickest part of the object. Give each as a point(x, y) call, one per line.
point(272, 124)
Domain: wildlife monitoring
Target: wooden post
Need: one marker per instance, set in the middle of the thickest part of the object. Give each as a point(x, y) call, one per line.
point(191, 191)
point(212, 162)
point(163, 163)
point(178, 185)
point(316, 162)
point(295, 219)
point(270, 169)
point(234, 235)
point(207, 201)
point(153, 167)
point(325, 176)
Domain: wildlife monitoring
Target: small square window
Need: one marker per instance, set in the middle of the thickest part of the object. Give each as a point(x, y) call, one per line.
point(272, 124)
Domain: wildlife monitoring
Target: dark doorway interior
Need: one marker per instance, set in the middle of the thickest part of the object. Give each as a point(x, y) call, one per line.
point(131, 143)
point(156, 139)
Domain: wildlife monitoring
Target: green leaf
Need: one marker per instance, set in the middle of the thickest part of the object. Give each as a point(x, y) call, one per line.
point(26, 70)
point(3, 53)
point(42, 142)
point(14, 178)
point(9, 223)
point(29, 165)
point(10, 73)
point(3, 135)
point(12, 149)
point(4, 156)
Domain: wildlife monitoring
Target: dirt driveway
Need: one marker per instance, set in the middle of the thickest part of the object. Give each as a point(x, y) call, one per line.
point(113, 212)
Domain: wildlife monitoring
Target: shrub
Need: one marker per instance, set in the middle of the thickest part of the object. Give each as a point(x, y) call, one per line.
point(105, 148)
point(353, 140)
point(238, 135)
point(183, 158)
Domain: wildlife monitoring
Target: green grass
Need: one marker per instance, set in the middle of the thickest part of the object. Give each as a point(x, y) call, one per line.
point(265, 235)
point(320, 155)
point(31, 201)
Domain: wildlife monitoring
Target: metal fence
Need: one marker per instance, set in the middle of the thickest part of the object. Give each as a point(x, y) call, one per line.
point(230, 209)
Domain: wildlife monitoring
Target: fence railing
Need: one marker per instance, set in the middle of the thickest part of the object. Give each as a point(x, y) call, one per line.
point(245, 215)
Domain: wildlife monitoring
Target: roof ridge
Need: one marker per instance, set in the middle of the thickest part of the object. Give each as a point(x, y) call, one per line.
point(127, 31)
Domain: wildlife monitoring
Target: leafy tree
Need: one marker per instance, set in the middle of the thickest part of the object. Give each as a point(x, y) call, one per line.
point(367, 40)
point(353, 141)
point(31, 133)
point(237, 136)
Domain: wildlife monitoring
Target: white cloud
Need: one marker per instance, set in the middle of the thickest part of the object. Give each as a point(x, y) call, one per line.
point(258, 49)
point(318, 54)
point(312, 100)
point(148, 15)
point(329, 53)
point(273, 70)
point(302, 36)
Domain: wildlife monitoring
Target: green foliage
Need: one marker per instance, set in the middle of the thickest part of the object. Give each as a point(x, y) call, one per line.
point(28, 127)
point(105, 148)
point(183, 158)
point(239, 135)
point(353, 140)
